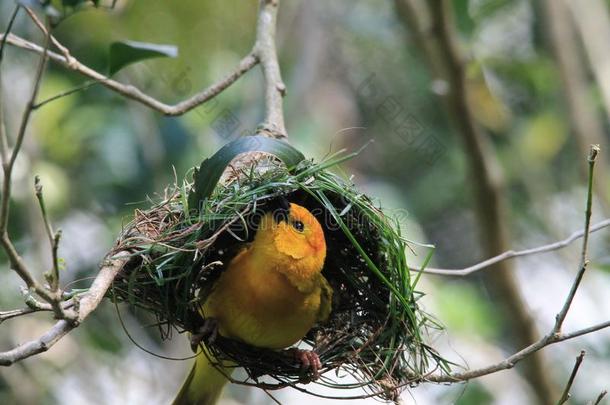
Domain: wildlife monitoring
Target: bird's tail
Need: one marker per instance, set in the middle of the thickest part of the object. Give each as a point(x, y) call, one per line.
point(204, 383)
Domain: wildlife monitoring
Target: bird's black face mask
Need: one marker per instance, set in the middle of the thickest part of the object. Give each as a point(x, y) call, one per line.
point(281, 211)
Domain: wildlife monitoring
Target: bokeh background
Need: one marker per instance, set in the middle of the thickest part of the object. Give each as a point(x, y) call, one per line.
point(355, 71)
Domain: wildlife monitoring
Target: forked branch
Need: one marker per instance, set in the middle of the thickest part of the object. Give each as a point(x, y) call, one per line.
point(263, 52)
point(72, 312)
point(555, 335)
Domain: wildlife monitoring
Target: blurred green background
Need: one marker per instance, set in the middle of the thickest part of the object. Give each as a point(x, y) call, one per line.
point(354, 72)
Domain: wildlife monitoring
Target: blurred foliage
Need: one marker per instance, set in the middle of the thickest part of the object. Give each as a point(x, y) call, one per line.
point(353, 73)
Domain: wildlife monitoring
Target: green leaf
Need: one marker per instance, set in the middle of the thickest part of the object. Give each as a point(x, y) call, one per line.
point(211, 169)
point(463, 20)
point(72, 3)
point(124, 53)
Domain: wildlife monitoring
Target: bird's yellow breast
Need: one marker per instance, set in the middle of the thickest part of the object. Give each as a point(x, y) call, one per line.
point(255, 302)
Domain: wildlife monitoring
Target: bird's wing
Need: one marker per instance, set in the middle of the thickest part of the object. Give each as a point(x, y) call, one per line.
point(326, 299)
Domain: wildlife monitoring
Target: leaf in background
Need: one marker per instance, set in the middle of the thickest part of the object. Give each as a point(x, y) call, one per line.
point(464, 21)
point(488, 8)
point(124, 53)
point(211, 169)
point(543, 137)
point(72, 3)
point(488, 109)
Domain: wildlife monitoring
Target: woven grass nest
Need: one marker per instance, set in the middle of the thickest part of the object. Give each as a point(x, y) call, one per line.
point(376, 329)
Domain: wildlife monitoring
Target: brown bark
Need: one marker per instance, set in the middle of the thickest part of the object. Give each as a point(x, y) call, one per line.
point(585, 123)
point(431, 24)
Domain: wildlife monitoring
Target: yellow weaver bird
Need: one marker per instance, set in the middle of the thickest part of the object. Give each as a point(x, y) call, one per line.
point(271, 294)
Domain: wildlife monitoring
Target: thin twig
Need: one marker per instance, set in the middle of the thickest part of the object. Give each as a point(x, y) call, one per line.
point(53, 237)
point(11, 21)
point(132, 92)
point(511, 361)
point(566, 392)
point(7, 166)
point(599, 398)
point(275, 89)
point(511, 254)
point(561, 316)
point(31, 308)
point(43, 208)
point(68, 92)
point(64, 51)
point(53, 297)
point(3, 133)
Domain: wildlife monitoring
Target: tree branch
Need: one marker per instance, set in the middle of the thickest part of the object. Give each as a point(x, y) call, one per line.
point(32, 306)
point(83, 305)
point(584, 261)
point(599, 398)
point(8, 162)
point(433, 21)
point(555, 335)
point(132, 92)
point(275, 89)
point(64, 51)
point(264, 51)
point(511, 361)
point(513, 254)
point(587, 125)
point(11, 21)
point(566, 392)
point(592, 20)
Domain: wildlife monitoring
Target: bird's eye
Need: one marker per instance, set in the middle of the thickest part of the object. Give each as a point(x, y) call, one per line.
point(298, 225)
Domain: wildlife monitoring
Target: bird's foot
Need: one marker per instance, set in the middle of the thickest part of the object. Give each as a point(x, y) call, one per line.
point(309, 361)
point(208, 332)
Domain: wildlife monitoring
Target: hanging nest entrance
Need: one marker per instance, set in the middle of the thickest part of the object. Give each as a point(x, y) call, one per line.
point(376, 329)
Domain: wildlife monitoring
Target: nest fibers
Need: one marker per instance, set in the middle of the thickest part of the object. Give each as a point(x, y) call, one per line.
point(375, 329)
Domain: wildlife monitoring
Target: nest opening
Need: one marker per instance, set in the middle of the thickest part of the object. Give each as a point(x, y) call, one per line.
point(375, 330)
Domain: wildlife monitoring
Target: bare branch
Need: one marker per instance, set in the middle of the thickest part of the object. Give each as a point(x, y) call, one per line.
point(68, 92)
point(264, 51)
point(566, 392)
point(53, 237)
point(8, 163)
point(555, 335)
point(52, 295)
point(11, 21)
point(64, 51)
point(133, 93)
point(273, 125)
point(275, 89)
point(434, 20)
point(561, 316)
point(513, 254)
point(511, 361)
point(599, 398)
point(42, 344)
point(86, 304)
point(33, 306)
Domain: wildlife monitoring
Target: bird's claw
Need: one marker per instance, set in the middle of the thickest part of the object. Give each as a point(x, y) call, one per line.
point(309, 361)
point(208, 332)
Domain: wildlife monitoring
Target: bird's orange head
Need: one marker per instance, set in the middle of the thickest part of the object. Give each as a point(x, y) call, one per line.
point(295, 236)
